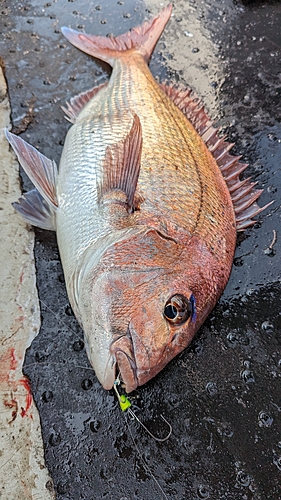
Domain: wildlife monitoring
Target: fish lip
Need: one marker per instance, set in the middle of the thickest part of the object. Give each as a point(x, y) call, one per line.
point(129, 387)
point(122, 349)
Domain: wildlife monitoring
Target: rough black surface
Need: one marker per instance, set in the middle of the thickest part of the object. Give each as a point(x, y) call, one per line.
point(222, 395)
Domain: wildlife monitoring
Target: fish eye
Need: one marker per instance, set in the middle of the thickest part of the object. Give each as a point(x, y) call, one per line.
point(179, 309)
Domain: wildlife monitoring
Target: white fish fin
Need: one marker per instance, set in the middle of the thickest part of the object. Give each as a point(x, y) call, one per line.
point(35, 210)
point(242, 193)
point(121, 166)
point(41, 171)
point(78, 102)
point(142, 39)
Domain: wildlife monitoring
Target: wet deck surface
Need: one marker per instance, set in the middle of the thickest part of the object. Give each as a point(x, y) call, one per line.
point(222, 395)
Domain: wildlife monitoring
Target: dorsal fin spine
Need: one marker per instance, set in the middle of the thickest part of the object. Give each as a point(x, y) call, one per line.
point(242, 193)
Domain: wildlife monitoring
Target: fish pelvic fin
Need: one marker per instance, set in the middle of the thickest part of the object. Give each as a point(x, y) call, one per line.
point(242, 192)
point(41, 171)
point(122, 166)
point(141, 39)
point(35, 210)
point(39, 205)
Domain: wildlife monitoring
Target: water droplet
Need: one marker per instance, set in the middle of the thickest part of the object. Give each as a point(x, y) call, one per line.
point(54, 439)
point(195, 50)
point(87, 384)
point(238, 262)
point(277, 462)
point(50, 486)
point(203, 491)
point(232, 337)
point(226, 313)
point(267, 327)
point(62, 488)
point(224, 429)
point(173, 400)
point(248, 376)
point(95, 425)
point(264, 419)
point(78, 345)
point(40, 357)
point(211, 388)
point(272, 137)
point(47, 396)
point(270, 251)
point(237, 336)
point(243, 478)
point(68, 310)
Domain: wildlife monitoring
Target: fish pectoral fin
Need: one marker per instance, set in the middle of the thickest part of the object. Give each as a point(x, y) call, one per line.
point(78, 102)
point(142, 39)
point(35, 210)
point(41, 171)
point(122, 165)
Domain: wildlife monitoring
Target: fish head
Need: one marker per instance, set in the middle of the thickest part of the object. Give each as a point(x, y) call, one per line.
point(144, 306)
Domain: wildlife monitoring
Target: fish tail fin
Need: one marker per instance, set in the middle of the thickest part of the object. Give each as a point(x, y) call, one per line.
point(141, 39)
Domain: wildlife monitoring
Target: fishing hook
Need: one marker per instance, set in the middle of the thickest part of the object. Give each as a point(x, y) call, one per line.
point(125, 405)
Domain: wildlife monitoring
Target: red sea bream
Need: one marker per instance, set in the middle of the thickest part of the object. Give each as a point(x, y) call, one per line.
point(146, 204)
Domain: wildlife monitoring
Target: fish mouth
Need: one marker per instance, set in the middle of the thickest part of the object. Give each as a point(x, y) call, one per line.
point(133, 360)
point(123, 351)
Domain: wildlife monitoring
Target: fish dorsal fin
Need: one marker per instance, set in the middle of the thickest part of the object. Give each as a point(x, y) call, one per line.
point(242, 193)
point(35, 210)
point(78, 102)
point(142, 39)
point(122, 165)
point(41, 171)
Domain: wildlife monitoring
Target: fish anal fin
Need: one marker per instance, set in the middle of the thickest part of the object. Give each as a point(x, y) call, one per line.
point(77, 103)
point(122, 166)
point(41, 171)
point(35, 210)
point(242, 193)
point(142, 39)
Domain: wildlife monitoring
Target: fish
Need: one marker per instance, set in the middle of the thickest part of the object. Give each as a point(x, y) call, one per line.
point(146, 205)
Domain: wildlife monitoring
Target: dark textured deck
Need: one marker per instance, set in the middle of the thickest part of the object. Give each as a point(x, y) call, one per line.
point(222, 395)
